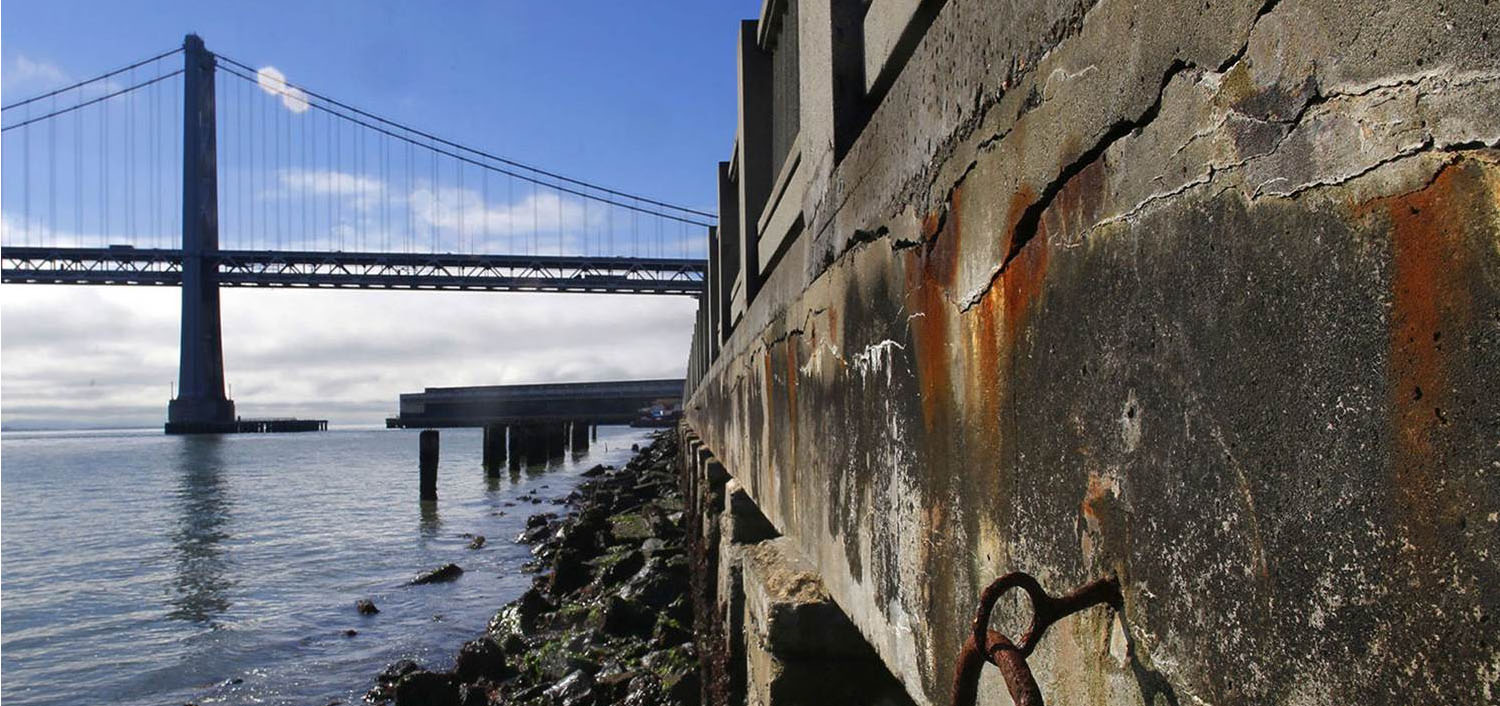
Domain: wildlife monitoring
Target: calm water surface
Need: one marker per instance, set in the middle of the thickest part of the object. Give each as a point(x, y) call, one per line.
point(145, 569)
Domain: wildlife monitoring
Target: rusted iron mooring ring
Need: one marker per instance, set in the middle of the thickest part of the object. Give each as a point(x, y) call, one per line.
point(986, 645)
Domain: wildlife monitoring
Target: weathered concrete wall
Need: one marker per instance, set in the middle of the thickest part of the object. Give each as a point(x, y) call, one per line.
point(1202, 295)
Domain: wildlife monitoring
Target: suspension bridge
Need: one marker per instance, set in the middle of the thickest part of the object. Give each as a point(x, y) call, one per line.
point(195, 170)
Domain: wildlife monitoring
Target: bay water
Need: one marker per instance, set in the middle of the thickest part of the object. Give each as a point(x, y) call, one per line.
point(139, 568)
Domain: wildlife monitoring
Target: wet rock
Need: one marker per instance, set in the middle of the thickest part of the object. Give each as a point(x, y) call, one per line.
point(396, 670)
point(521, 616)
point(616, 616)
point(424, 688)
point(576, 688)
point(350, 632)
point(669, 632)
point(605, 624)
point(476, 694)
point(541, 519)
point(481, 658)
point(366, 606)
point(446, 572)
point(569, 572)
point(618, 567)
point(654, 585)
point(477, 542)
point(512, 643)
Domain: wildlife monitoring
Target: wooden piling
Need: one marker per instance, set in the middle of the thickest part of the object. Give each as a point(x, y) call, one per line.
point(428, 462)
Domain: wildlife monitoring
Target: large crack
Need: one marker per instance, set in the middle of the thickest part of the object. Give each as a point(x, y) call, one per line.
point(1029, 222)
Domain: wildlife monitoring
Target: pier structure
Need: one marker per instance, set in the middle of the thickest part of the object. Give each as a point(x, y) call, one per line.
point(1176, 317)
point(536, 422)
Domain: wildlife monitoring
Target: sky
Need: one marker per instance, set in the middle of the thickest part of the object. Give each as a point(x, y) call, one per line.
point(635, 96)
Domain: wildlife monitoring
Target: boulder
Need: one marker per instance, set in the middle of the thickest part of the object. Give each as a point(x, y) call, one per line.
point(480, 659)
point(424, 688)
point(569, 572)
point(396, 670)
point(574, 689)
point(366, 606)
point(446, 572)
point(618, 567)
point(477, 542)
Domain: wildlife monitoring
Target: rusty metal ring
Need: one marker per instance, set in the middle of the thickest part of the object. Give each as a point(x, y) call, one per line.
point(986, 645)
point(991, 595)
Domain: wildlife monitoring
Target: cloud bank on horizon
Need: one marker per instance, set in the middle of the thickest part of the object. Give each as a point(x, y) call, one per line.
point(107, 356)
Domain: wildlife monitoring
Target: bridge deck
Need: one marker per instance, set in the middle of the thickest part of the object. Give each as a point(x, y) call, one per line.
point(595, 402)
point(358, 270)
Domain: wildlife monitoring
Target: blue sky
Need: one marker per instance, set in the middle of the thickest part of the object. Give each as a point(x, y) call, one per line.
point(636, 96)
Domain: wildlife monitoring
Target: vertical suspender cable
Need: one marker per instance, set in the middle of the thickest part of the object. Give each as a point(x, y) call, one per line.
point(26, 181)
point(78, 173)
point(52, 172)
point(459, 165)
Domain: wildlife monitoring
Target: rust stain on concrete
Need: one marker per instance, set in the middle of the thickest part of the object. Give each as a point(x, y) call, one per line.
point(929, 278)
point(791, 403)
point(1430, 269)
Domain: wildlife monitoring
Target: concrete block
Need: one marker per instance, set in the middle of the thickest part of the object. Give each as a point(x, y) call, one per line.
point(799, 646)
point(743, 521)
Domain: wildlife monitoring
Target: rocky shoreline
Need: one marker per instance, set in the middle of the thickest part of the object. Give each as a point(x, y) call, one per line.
point(608, 619)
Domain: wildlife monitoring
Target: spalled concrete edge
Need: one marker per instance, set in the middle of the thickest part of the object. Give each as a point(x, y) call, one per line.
point(1149, 301)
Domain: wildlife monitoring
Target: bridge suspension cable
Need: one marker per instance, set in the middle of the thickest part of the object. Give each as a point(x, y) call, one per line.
point(299, 171)
point(473, 151)
point(90, 161)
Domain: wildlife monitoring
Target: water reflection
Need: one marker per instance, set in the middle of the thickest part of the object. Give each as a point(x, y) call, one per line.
point(203, 508)
point(429, 524)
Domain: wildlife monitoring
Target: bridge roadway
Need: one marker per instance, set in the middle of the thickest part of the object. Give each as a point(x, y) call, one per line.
point(119, 265)
point(590, 402)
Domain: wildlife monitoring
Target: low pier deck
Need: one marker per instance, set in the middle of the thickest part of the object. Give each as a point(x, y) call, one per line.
point(249, 426)
point(613, 402)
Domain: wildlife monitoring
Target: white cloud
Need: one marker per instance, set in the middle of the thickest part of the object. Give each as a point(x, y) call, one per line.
point(273, 82)
point(108, 355)
point(362, 190)
point(16, 229)
point(34, 74)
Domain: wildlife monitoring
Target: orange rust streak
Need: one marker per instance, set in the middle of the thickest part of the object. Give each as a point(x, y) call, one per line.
point(791, 401)
point(932, 273)
point(1429, 301)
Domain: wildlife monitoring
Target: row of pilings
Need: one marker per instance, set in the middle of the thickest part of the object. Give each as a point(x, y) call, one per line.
point(529, 444)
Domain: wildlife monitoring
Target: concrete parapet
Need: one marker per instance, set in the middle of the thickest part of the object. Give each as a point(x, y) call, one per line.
point(1197, 296)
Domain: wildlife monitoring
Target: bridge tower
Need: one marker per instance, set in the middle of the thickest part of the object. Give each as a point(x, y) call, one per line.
point(201, 405)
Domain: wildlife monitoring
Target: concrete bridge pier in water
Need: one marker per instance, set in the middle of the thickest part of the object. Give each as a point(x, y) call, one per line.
point(200, 405)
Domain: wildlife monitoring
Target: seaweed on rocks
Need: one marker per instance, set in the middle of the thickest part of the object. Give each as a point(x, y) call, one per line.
point(607, 619)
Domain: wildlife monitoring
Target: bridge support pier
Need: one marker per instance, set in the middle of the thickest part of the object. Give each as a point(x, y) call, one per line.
point(201, 406)
point(494, 448)
point(557, 440)
point(578, 436)
point(529, 443)
point(428, 463)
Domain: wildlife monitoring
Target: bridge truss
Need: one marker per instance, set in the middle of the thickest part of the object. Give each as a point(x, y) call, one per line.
point(358, 270)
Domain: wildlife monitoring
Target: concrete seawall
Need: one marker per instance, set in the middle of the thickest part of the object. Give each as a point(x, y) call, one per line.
point(1202, 297)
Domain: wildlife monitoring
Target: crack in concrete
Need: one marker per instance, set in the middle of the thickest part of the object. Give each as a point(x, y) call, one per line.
point(1029, 223)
